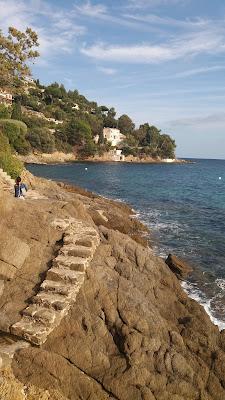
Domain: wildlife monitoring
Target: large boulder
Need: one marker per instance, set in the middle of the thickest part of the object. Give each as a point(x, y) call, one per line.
point(179, 267)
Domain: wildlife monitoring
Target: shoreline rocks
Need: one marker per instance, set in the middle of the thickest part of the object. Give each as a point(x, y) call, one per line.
point(179, 267)
point(61, 158)
point(131, 334)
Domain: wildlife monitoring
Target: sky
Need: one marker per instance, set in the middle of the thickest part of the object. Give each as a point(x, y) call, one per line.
point(159, 61)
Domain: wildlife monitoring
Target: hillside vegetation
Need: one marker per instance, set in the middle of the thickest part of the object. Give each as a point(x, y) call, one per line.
point(62, 120)
point(44, 119)
point(8, 162)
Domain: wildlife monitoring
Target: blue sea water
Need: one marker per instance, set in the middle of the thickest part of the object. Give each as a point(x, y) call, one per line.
point(182, 204)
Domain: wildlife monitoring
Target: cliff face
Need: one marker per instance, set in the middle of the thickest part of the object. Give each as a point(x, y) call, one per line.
point(131, 333)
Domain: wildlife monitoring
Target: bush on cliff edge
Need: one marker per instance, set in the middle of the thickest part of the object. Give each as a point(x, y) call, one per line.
point(16, 133)
point(8, 162)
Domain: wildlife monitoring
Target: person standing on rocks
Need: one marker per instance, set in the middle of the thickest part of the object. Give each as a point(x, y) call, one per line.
point(20, 188)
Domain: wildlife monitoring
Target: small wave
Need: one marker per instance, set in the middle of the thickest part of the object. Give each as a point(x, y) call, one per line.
point(135, 215)
point(220, 283)
point(160, 253)
point(196, 294)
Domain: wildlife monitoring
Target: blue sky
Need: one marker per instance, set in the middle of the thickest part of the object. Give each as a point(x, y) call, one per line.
point(160, 61)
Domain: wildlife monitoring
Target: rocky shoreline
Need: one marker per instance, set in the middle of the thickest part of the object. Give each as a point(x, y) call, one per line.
point(60, 158)
point(129, 333)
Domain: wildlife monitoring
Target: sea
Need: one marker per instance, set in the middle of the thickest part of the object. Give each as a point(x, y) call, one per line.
point(182, 204)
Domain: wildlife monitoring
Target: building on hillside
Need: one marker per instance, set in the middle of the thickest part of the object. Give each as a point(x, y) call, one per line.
point(169, 160)
point(113, 135)
point(29, 80)
point(6, 98)
point(117, 155)
point(56, 121)
point(29, 84)
point(76, 107)
point(96, 139)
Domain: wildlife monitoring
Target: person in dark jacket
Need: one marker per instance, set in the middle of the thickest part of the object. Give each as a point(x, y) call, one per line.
point(20, 188)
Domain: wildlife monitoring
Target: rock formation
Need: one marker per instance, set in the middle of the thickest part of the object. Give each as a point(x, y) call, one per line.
point(178, 267)
point(115, 322)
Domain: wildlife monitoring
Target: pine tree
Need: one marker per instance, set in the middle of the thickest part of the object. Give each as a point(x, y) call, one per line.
point(16, 49)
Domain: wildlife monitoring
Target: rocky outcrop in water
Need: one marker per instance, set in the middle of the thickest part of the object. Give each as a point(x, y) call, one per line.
point(130, 333)
point(179, 267)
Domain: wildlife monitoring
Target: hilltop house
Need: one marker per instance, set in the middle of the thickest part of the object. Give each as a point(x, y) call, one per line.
point(6, 98)
point(113, 135)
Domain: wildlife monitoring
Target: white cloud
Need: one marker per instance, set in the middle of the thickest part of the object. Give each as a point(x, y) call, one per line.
point(55, 28)
point(153, 3)
point(107, 71)
point(91, 10)
point(100, 12)
point(199, 71)
point(204, 121)
point(194, 23)
point(206, 41)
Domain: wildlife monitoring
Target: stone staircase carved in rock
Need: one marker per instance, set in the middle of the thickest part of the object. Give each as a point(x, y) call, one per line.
point(8, 182)
point(62, 284)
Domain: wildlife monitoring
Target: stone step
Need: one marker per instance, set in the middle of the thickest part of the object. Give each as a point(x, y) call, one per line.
point(63, 281)
point(32, 330)
point(73, 263)
point(42, 314)
point(77, 251)
point(8, 347)
point(81, 231)
point(66, 223)
point(4, 174)
point(51, 300)
point(65, 275)
point(6, 185)
point(59, 288)
point(85, 242)
point(82, 240)
point(10, 180)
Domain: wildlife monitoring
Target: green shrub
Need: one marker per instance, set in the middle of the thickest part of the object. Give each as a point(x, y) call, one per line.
point(4, 112)
point(16, 134)
point(41, 139)
point(31, 121)
point(8, 162)
point(63, 146)
point(13, 122)
point(88, 150)
point(16, 111)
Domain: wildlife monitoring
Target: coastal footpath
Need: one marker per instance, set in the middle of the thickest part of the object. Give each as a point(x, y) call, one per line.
point(87, 311)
